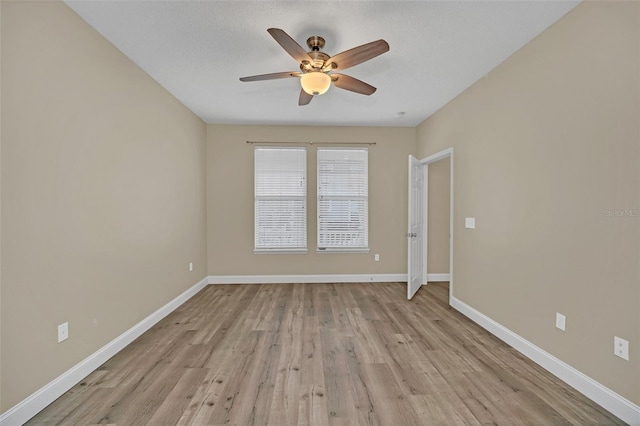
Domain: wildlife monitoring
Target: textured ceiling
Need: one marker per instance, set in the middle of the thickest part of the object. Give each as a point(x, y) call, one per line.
point(197, 50)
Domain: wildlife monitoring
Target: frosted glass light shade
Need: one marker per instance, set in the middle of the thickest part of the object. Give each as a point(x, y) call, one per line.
point(315, 82)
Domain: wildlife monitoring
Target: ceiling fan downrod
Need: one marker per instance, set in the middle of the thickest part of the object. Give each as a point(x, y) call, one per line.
point(315, 43)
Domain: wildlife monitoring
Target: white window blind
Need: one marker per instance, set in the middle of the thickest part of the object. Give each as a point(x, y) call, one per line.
point(280, 199)
point(343, 206)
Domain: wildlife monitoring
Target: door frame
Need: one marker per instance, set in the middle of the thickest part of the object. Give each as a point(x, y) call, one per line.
point(447, 153)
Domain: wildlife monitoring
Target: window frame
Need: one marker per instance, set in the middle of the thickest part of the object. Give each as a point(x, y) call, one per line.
point(319, 197)
point(265, 249)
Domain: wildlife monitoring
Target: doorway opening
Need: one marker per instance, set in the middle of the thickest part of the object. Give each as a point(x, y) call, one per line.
point(419, 237)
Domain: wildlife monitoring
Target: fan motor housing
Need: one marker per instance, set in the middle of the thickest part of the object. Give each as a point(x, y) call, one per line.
point(318, 62)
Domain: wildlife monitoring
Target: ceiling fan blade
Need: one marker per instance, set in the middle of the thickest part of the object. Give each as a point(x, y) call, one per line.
point(290, 45)
point(273, 76)
point(305, 98)
point(358, 55)
point(353, 84)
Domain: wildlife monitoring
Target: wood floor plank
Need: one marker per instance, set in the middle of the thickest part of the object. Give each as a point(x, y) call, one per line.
point(400, 359)
point(225, 404)
point(312, 367)
point(442, 408)
point(285, 403)
point(176, 402)
point(204, 400)
point(312, 406)
point(389, 402)
point(320, 354)
point(339, 307)
point(363, 399)
point(339, 400)
point(369, 351)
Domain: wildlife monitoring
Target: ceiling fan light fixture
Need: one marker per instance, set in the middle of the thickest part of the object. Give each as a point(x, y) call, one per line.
point(315, 83)
point(315, 66)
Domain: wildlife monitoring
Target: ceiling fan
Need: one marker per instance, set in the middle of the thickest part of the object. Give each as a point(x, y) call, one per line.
point(315, 65)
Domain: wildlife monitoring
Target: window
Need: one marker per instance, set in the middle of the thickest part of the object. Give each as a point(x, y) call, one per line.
point(280, 199)
point(343, 211)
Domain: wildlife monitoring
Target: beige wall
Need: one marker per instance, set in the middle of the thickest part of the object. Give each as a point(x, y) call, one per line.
point(103, 194)
point(544, 146)
point(1, 378)
point(230, 201)
point(438, 217)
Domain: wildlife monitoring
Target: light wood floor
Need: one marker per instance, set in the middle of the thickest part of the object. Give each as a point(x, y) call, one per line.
point(320, 354)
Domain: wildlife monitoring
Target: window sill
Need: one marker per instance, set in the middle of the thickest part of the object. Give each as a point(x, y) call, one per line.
point(280, 251)
point(343, 250)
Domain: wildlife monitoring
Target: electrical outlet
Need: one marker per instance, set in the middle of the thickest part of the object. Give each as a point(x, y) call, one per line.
point(190, 266)
point(63, 332)
point(621, 347)
point(376, 257)
point(561, 321)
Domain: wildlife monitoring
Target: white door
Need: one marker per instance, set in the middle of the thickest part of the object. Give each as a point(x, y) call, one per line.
point(417, 253)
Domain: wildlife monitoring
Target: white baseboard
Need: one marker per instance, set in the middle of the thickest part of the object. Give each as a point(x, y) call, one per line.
point(605, 397)
point(286, 279)
point(33, 404)
point(432, 278)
